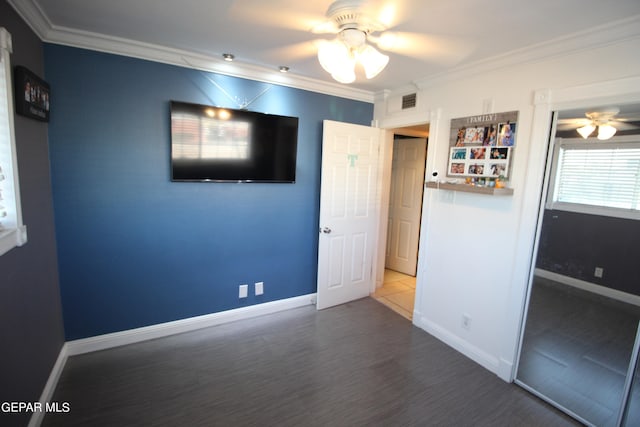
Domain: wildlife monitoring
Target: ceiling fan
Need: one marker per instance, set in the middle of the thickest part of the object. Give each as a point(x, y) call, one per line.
point(361, 36)
point(354, 27)
point(606, 121)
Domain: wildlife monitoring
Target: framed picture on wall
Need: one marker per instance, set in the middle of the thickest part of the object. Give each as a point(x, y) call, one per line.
point(32, 94)
point(482, 146)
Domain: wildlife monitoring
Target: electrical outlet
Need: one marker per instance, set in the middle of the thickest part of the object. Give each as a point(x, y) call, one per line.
point(259, 288)
point(243, 291)
point(466, 321)
point(598, 272)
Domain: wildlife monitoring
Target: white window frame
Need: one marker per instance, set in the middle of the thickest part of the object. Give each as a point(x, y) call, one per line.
point(621, 141)
point(12, 231)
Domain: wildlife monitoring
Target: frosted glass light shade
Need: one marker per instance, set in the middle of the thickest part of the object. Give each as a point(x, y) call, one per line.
point(585, 131)
point(336, 59)
point(372, 61)
point(345, 73)
point(606, 131)
point(332, 54)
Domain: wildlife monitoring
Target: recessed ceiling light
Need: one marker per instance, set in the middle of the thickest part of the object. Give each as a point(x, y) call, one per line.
point(228, 56)
point(284, 69)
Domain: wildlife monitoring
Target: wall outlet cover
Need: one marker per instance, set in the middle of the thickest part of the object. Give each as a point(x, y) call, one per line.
point(599, 271)
point(259, 288)
point(243, 291)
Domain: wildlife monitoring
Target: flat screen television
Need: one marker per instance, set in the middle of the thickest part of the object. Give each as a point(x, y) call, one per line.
point(228, 145)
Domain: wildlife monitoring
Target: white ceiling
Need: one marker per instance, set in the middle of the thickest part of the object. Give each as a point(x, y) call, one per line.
point(451, 34)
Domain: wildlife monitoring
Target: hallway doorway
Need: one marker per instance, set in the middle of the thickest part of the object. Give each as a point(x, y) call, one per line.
point(397, 292)
point(406, 176)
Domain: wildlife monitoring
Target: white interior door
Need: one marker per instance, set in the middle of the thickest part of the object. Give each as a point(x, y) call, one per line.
point(348, 212)
point(405, 204)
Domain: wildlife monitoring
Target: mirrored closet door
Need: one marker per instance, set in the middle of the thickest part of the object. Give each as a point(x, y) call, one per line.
point(578, 348)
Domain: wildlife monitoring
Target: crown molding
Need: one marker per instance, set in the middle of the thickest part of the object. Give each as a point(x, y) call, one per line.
point(594, 37)
point(35, 17)
point(182, 58)
point(588, 39)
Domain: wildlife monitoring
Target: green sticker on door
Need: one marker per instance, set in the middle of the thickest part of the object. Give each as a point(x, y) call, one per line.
point(352, 159)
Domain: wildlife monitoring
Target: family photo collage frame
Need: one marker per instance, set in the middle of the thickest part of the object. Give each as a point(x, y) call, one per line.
point(481, 147)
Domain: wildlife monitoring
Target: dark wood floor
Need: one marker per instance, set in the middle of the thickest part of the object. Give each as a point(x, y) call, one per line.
point(576, 350)
point(359, 364)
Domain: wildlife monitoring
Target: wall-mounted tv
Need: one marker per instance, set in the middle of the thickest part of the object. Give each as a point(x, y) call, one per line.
point(227, 145)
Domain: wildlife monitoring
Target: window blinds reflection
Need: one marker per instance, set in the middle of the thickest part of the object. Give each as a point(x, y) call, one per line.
point(210, 138)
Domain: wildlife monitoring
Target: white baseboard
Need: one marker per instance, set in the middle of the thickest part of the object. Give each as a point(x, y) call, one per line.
point(589, 287)
point(505, 370)
point(116, 339)
point(472, 352)
point(50, 386)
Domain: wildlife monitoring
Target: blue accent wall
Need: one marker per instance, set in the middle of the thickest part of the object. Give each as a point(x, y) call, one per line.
point(136, 249)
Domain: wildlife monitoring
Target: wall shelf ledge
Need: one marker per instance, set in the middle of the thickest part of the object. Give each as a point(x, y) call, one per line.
point(468, 188)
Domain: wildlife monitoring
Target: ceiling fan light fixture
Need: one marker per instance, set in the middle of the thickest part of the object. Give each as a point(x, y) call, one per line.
point(345, 72)
point(353, 37)
point(338, 57)
point(345, 76)
point(587, 130)
point(354, 26)
point(606, 131)
point(332, 54)
point(386, 41)
point(372, 61)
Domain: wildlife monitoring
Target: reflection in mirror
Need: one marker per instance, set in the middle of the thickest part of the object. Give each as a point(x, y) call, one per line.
point(584, 302)
point(632, 411)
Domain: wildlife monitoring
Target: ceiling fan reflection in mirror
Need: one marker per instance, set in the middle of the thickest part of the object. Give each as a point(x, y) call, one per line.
point(605, 121)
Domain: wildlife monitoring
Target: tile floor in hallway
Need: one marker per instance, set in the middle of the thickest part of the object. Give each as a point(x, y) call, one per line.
point(397, 292)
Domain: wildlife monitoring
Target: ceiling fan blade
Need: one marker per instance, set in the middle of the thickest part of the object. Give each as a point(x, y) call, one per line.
point(384, 12)
point(326, 27)
point(624, 125)
point(574, 122)
point(292, 52)
point(633, 117)
point(565, 124)
point(423, 46)
point(387, 12)
point(301, 16)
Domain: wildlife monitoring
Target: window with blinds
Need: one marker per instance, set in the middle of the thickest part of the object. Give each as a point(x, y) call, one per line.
point(12, 231)
point(598, 177)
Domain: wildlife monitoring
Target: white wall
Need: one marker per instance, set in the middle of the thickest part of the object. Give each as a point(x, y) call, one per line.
point(475, 250)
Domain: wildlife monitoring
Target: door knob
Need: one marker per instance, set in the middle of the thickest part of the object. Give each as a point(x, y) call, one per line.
point(326, 230)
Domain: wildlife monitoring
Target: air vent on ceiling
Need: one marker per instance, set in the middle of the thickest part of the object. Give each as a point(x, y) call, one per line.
point(408, 101)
